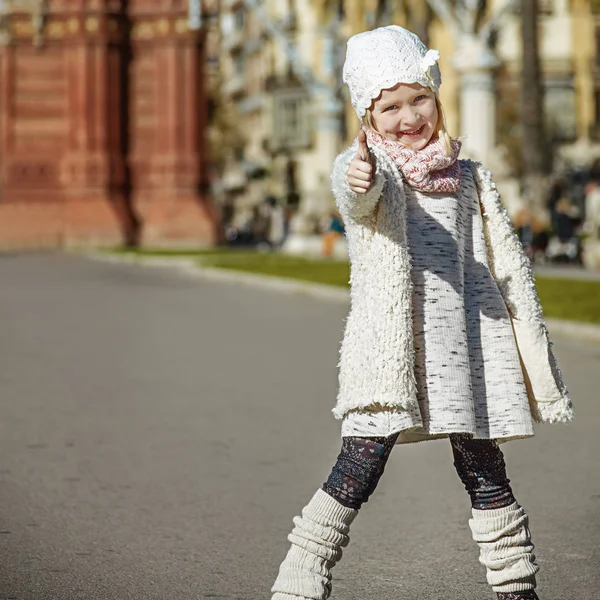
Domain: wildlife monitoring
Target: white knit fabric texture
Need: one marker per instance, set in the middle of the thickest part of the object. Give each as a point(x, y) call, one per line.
point(467, 366)
point(379, 59)
point(505, 548)
point(512, 271)
point(317, 541)
point(377, 355)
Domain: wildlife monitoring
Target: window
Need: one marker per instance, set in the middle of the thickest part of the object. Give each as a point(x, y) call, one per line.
point(291, 119)
point(239, 18)
point(239, 63)
point(561, 108)
point(227, 24)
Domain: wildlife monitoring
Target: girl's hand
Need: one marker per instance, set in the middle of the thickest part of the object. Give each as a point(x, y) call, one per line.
point(361, 170)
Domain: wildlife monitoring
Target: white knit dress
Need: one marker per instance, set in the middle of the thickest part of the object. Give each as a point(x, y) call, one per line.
point(467, 367)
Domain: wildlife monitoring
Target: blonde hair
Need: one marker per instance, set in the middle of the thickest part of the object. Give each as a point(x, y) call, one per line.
point(441, 129)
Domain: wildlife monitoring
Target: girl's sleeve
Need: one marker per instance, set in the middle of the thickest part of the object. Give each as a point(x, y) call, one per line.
point(357, 207)
point(513, 273)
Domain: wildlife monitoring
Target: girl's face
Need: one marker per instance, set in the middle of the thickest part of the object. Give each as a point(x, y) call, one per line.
point(406, 113)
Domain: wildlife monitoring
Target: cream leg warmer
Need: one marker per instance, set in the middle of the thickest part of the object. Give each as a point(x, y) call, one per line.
point(505, 548)
point(317, 541)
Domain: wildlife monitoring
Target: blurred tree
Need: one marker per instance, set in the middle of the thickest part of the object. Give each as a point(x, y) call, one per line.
point(536, 158)
point(418, 18)
point(508, 116)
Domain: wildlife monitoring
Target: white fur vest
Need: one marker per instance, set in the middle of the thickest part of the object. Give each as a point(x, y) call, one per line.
point(377, 353)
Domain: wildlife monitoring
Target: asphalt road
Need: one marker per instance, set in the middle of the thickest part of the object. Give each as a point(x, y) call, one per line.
point(158, 433)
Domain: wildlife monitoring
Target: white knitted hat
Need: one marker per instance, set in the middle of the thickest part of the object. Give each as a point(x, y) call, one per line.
point(379, 59)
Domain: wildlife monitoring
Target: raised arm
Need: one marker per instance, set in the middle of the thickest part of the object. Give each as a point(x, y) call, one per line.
point(356, 181)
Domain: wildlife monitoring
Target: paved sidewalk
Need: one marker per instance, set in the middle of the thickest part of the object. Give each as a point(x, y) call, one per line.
point(160, 430)
point(584, 332)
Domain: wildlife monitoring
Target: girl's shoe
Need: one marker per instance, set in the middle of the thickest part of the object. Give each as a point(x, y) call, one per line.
point(527, 595)
point(317, 541)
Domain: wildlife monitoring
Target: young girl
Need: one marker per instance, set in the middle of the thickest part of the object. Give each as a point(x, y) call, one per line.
point(445, 336)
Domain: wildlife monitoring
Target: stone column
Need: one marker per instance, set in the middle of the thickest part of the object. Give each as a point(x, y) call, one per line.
point(61, 141)
point(477, 63)
point(97, 209)
point(168, 114)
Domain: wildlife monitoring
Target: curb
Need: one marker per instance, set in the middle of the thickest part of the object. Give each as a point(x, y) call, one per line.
point(581, 332)
point(574, 330)
point(190, 267)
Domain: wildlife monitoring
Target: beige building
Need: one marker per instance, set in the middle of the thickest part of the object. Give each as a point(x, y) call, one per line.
point(569, 55)
point(273, 107)
point(286, 129)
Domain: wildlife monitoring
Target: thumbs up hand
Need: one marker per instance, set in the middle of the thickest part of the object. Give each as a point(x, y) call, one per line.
point(361, 170)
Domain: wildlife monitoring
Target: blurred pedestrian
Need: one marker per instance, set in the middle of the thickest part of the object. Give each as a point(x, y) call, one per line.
point(594, 176)
point(592, 213)
point(592, 202)
point(334, 231)
point(271, 223)
point(556, 192)
point(532, 233)
point(565, 219)
point(429, 349)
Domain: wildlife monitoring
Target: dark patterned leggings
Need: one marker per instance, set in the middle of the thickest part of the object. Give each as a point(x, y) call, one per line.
point(479, 464)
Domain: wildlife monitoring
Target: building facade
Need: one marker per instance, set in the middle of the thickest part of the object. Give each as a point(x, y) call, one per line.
point(103, 113)
point(287, 135)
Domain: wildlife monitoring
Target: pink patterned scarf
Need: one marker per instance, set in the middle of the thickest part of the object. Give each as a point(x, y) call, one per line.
point(427, 170)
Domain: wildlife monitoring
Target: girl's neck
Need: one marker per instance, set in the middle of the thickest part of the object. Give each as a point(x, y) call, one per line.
point(429, 169)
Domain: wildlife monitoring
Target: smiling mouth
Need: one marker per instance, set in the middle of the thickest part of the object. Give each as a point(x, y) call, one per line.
point(414, 133)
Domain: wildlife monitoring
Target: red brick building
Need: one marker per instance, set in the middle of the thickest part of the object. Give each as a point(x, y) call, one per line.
point(102, 116)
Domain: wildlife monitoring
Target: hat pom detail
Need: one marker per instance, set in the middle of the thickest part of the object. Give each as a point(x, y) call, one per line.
point(428, 61)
